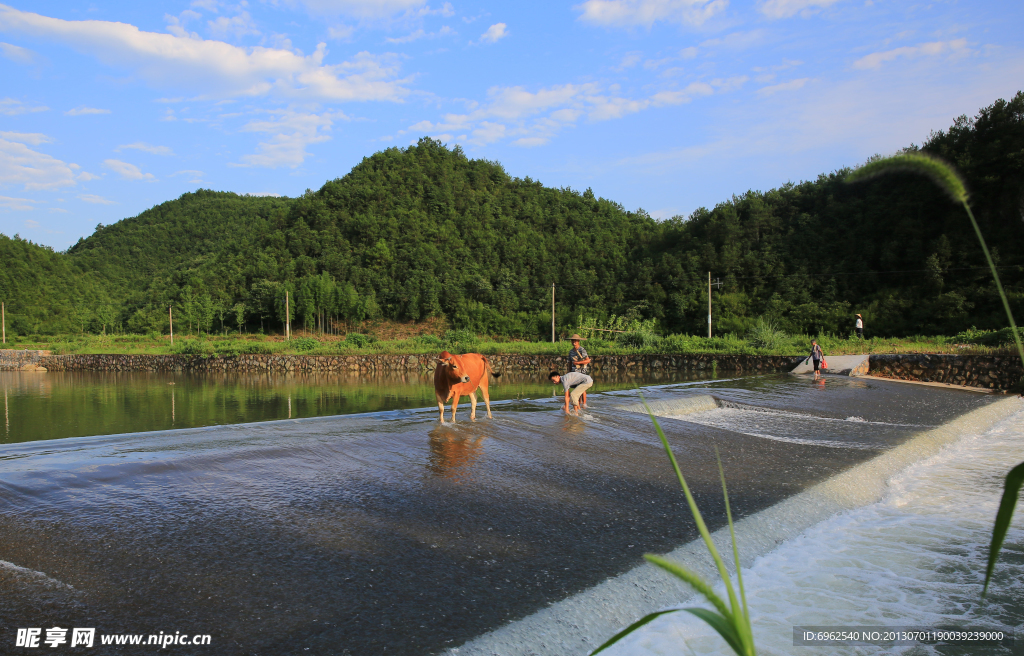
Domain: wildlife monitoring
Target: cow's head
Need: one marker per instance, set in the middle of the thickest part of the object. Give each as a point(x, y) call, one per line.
point(451, 365)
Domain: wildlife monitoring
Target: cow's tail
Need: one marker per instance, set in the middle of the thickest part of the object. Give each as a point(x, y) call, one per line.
point(487, 363)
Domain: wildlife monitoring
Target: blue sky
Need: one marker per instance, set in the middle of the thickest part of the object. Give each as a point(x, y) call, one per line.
point(108, 108)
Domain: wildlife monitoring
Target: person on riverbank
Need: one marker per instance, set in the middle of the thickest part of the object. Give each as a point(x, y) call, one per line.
point(575, 385)
point(859, 327)
point(579, 361)
point(817, 356)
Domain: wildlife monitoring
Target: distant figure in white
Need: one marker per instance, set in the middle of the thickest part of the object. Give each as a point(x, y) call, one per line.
point(860, 327)
point(575, 385)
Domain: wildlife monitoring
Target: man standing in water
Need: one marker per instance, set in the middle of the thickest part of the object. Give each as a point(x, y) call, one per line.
point(575, 384)
point(579, 361)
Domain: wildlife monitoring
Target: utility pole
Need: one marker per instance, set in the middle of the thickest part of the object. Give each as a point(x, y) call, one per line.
point(287, 318)
point(3, 319)
point(717, 283)
point(170, 317)
point(709, 305)
point(552, 313)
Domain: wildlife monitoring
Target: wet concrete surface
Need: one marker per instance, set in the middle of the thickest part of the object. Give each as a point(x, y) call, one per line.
point(390, 534)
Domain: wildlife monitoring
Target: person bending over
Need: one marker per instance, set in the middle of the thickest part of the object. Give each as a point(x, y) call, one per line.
point(575, 385)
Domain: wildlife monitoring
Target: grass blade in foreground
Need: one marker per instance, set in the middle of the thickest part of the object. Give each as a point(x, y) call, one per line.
point(1014, 482)
point(732, 621)
point(946, 177)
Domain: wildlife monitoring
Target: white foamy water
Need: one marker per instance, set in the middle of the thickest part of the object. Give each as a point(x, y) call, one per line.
point(914, 558)
point(792, 427)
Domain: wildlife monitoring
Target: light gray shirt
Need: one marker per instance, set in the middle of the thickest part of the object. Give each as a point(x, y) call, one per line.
point(573, 378)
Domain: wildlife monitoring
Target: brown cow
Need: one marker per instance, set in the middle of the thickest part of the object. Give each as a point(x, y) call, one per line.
point(456, 375)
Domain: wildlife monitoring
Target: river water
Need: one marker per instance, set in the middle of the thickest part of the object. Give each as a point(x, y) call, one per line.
point(72, 404)
point(386, 533)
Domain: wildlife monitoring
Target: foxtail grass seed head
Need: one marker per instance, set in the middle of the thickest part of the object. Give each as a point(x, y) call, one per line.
point(941, 173)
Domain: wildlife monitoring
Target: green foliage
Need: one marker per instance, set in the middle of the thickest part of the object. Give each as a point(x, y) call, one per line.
point(303, 344)
point(732, 620)
point(200, 347)
point(765, 334)
point(432, 342)
point(423, 231)
point(359, 340)
point(1002, 337)
point(640, 340)
point(460, 341)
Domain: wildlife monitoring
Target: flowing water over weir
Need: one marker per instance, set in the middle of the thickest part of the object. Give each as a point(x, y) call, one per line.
point(386, 533)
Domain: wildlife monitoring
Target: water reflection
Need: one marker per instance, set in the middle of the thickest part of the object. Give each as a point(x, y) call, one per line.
point(455, 450)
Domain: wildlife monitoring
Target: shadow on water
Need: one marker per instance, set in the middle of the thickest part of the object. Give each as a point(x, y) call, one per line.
point(390, 534)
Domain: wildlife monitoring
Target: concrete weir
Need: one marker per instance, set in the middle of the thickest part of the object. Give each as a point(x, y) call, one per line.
point(580, 623)
point(842, 365)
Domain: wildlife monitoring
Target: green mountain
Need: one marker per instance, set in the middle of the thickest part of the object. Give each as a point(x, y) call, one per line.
point(424, 231)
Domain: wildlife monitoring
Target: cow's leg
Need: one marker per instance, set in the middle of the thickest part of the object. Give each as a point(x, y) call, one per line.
point(455, 404)
point(440, 408)
point(487, 395)
point(472, 406)
point(486, 399)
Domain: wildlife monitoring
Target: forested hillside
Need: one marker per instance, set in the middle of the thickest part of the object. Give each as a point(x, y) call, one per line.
point(424, 231)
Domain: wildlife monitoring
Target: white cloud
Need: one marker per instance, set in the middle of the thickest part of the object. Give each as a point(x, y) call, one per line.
point(237, 26)
point(19, 164)
point(96, 200)
point(534, 118)
point(408, 38)
point(692, 90)
point(340, 32)
point(787, 8)
point(126, 170)
point(194, 176)
point(876, 59)
point(736, 40)
point(366, 9)
point(792, 85)
point(82, 111)
point(724, 85)
point(17, 54)
point(145, 147)
point(33, 138)
point(630, 13)
point(291, 133)
point(85, 176)
point(264, 194)
point(420, 34)
point(12, 107)
point(629, 60)
point(8, 203)
point(494, 33)
point(216, 68)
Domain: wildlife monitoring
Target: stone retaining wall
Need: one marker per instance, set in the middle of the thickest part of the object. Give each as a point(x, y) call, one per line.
point(11, 360)
point(386, 363)
point(991, 372)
